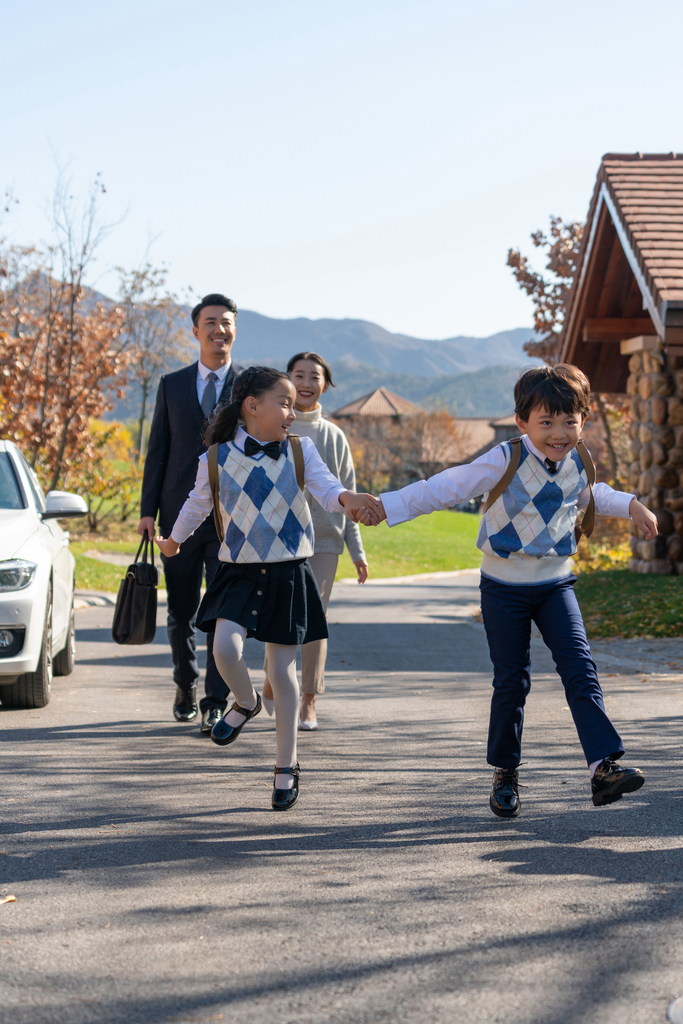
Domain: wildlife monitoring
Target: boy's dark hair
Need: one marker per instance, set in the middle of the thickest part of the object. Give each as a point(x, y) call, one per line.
point(562, 388)
point(254, 381)
point(315, 358)
point(214, 299)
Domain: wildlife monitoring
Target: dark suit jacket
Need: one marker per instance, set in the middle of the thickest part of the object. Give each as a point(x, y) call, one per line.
point(175, 444)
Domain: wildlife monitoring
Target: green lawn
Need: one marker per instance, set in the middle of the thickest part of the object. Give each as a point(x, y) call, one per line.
point(440, 541)
point(92, 574)
point(623, 603)
point(614, 602)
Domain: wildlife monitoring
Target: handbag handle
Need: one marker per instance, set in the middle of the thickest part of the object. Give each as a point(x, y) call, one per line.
point(146, 540)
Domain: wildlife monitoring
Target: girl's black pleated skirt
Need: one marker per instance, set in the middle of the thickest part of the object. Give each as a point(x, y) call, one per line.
point(277, 602)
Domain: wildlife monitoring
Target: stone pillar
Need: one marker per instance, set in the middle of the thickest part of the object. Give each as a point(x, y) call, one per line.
point(655, 385)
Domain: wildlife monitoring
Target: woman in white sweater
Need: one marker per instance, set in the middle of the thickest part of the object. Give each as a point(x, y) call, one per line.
point(311, 376)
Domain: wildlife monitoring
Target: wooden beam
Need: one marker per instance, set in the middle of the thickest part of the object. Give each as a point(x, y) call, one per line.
point(643, 343)
point(674, 336)
point(606, 328)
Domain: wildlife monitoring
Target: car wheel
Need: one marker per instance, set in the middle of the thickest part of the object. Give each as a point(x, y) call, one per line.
point(64, 661)
point(32, 690)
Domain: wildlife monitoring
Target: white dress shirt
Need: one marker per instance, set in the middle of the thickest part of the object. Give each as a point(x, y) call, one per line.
point(322, 484)
point(460, 483)
point(203, 373)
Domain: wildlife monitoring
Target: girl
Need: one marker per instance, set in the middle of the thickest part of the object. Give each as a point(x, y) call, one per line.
point(311, 377)
point(264, 587)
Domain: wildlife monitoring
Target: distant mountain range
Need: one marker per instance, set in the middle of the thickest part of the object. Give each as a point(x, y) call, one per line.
point(267, 340)
point(486, 392)
point(469, 376)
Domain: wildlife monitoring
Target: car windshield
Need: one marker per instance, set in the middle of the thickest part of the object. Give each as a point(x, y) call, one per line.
point(10, 493)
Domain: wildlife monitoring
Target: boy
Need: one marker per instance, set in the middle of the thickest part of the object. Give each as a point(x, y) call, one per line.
point(527, 536)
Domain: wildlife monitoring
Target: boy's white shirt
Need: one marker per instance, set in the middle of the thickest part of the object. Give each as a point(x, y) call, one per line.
point(460, 483)
point(322, 484)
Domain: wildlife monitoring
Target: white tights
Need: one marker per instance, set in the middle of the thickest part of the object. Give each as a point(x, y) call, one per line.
point(228, 650)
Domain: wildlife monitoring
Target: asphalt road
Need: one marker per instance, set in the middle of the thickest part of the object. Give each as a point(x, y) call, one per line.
point(153, 882)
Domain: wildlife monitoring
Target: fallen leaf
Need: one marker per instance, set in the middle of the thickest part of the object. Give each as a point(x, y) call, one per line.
point(8, 899)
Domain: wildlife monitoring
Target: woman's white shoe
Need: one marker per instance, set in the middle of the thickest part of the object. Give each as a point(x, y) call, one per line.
point(308, 726)
point(269, 705)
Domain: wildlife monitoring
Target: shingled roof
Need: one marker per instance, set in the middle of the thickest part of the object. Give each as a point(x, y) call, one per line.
point(629, 278)
point(380, 402)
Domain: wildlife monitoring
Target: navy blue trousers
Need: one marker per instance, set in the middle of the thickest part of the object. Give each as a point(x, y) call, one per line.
point(184, 575)
point(508, 612)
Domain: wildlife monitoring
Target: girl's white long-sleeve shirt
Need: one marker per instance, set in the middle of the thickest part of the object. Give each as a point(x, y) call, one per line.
point(322, 484)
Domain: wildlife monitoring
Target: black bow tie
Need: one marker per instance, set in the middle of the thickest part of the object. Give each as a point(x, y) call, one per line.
point(552, 466)
point(272, 448)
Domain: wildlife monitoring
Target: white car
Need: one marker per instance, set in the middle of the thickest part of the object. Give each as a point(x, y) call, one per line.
point(36, 583)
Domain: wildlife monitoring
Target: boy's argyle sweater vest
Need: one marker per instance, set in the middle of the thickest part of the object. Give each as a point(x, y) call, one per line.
point(265, 515)
point(527, 536)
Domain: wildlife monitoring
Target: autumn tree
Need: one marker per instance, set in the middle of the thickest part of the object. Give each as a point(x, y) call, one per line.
point(104, 471)
point(387, 452)
point(429, 442)
point(62, 350)
point(549, 294)
point(154, 333)
point(372, 440)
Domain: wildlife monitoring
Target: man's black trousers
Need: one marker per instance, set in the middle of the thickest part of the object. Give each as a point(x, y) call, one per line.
point(184, 573)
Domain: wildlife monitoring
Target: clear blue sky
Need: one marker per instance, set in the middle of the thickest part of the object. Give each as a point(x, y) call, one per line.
point(361, 159)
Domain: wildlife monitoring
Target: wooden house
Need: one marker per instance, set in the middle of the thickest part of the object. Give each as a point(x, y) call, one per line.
point(624, 328)
point(380, 403)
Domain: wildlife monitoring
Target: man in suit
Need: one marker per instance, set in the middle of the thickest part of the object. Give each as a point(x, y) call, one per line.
point(185, 400)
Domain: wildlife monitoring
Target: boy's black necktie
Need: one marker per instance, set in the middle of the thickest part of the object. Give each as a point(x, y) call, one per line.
point(272, 448)
point(551, 466)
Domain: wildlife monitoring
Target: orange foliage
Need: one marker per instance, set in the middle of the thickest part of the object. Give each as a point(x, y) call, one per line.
point(61, 362)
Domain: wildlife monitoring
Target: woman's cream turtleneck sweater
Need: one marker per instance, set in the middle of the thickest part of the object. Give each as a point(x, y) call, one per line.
point(332, 529)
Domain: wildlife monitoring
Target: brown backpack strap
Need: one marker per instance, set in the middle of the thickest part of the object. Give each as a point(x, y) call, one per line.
point(588, 522)
point(299, 464)
point(212, 459)
point(511, 469)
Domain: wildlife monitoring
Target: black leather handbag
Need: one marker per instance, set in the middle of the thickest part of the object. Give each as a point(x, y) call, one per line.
point(135, 615)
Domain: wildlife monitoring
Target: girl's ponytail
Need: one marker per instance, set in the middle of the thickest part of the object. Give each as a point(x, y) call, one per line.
point(253, 381)
point(222, 426)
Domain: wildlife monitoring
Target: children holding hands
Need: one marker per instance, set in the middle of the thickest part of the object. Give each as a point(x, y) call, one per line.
point(253, 477)
point(527, 536)
point(311, 376)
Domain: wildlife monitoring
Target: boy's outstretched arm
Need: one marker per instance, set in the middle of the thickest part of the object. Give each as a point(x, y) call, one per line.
point(645, 520)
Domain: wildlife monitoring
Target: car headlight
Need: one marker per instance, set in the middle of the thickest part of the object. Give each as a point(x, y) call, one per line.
point(16, 574)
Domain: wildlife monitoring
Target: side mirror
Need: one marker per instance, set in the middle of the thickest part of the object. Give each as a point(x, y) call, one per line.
point(63, 505)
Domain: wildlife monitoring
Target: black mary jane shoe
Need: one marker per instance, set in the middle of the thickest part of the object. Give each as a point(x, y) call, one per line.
point(611, 781)
point(185, 706)
point(224, 733)
point(283, 799)
point(504, 800)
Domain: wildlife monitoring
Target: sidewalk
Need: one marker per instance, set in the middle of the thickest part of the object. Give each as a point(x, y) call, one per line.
point(154, 883)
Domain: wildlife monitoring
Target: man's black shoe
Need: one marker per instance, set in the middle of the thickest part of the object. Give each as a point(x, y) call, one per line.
point(505, 800)
point(185, 708)
point(209, 719)
point(611, 781)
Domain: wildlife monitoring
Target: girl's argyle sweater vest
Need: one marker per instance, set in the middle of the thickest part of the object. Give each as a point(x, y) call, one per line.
point(527, 536)
point(265, 515)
